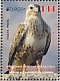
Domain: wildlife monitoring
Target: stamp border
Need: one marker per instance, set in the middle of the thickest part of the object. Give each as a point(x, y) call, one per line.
point(1, 48)
point(30, 0)
point(1, 36)
point(1, 41)
point(58, 40)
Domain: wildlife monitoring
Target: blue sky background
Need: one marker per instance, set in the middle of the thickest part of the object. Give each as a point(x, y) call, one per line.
point(16, 17)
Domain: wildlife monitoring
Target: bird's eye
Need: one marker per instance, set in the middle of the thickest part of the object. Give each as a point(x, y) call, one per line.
point(31, 7)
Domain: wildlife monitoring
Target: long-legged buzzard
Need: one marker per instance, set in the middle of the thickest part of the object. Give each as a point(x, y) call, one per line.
point(31, 40)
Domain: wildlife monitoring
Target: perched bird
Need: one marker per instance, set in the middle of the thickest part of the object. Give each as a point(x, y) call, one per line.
point(31, 40)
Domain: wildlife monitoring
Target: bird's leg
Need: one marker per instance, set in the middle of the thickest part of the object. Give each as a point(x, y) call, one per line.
point(24, 66)
point(38, 64)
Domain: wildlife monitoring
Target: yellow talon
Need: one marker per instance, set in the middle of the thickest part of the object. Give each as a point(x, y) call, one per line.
point(38, 66)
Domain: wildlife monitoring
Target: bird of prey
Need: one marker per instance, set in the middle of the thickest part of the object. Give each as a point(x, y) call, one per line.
point(31, 40)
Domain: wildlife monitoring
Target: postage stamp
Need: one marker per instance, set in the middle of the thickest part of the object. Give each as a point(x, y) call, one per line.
point(29, 34)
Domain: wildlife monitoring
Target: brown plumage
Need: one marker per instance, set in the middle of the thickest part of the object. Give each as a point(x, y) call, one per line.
point(31, 39)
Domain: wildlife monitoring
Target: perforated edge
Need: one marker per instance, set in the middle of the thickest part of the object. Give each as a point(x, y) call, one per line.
point(1, 41)
point(30, 0)
point(1, 48)
point(58, 41)
point(17, 79)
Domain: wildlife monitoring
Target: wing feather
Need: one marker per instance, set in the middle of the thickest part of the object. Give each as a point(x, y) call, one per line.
point(48, 40)
point(17, 42)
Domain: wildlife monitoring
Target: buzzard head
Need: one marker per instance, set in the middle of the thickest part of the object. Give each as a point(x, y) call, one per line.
point(33, 10)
